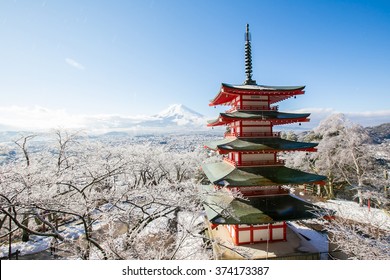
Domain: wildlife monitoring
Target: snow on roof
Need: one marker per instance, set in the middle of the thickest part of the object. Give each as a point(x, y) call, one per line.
point(317, 239)
point(264, 87)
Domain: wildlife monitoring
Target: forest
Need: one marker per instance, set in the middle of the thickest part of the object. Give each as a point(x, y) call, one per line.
point(138, 197)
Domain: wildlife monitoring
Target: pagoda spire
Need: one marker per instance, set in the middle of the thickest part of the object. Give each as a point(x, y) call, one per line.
point(248, 58)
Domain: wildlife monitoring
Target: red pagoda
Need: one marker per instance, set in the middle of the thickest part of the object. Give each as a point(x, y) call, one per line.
point(251, 164)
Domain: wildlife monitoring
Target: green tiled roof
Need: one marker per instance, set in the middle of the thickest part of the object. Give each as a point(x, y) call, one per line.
point(258, 144)
point(222, 208)
point(223, 173)
point(260, 115)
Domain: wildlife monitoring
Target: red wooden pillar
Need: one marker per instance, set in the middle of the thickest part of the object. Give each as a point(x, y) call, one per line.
point(236, 235)
point(251, 239)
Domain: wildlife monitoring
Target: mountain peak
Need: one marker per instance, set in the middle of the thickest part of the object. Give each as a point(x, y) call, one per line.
point(179, 110)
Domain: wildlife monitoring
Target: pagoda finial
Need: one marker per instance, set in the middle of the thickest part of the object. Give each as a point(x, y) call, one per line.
point(248, 58)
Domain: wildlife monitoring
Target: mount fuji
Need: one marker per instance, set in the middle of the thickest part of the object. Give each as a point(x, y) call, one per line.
point(177, 115)
point(175, 118)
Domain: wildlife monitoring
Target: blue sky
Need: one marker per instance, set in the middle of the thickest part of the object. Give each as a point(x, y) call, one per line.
point(138, 57)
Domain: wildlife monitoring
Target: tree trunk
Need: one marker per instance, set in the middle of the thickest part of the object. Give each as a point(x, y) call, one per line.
point(329, 190)
point(360, 196)
point(10, 239)
point(318, 190)
point(25, 233)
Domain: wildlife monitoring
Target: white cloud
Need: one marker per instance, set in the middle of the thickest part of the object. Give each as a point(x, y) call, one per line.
point(370, 118)
point(370, 114)
point(37, 118)
point(74, 63)
point(40, 118)
point(365, 118)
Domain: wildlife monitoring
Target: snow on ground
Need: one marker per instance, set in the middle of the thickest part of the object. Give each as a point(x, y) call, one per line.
point(35, 245)
point(316, 239)
point(39, 243)
point(191, 246)
point(351, 210)
point(190, 243)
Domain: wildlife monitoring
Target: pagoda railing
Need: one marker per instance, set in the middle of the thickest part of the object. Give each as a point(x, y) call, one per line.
point(262, 162)
point(255, 162)
point(228, 160)
point(252, 134)
point(252, 108)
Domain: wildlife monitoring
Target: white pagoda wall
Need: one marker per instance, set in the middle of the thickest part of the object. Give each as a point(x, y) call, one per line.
point(249, 234)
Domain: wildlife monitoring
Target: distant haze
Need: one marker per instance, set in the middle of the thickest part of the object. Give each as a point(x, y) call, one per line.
point(174, 118)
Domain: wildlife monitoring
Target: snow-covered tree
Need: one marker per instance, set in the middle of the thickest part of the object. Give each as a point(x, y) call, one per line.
point(343, 155)
point(128, 198)
point(358, 233)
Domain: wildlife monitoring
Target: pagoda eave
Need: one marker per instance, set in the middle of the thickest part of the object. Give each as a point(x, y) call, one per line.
point(225, 174)
point(270, 151)
point(222, 99)
point(261, 89)
point(259, 145)
point(228, 92)
point(257, 210)
point(226, 120)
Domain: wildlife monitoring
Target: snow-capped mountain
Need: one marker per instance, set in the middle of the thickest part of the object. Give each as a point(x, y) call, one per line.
point(174, 118)
point(178, 110)
point(178, 115)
